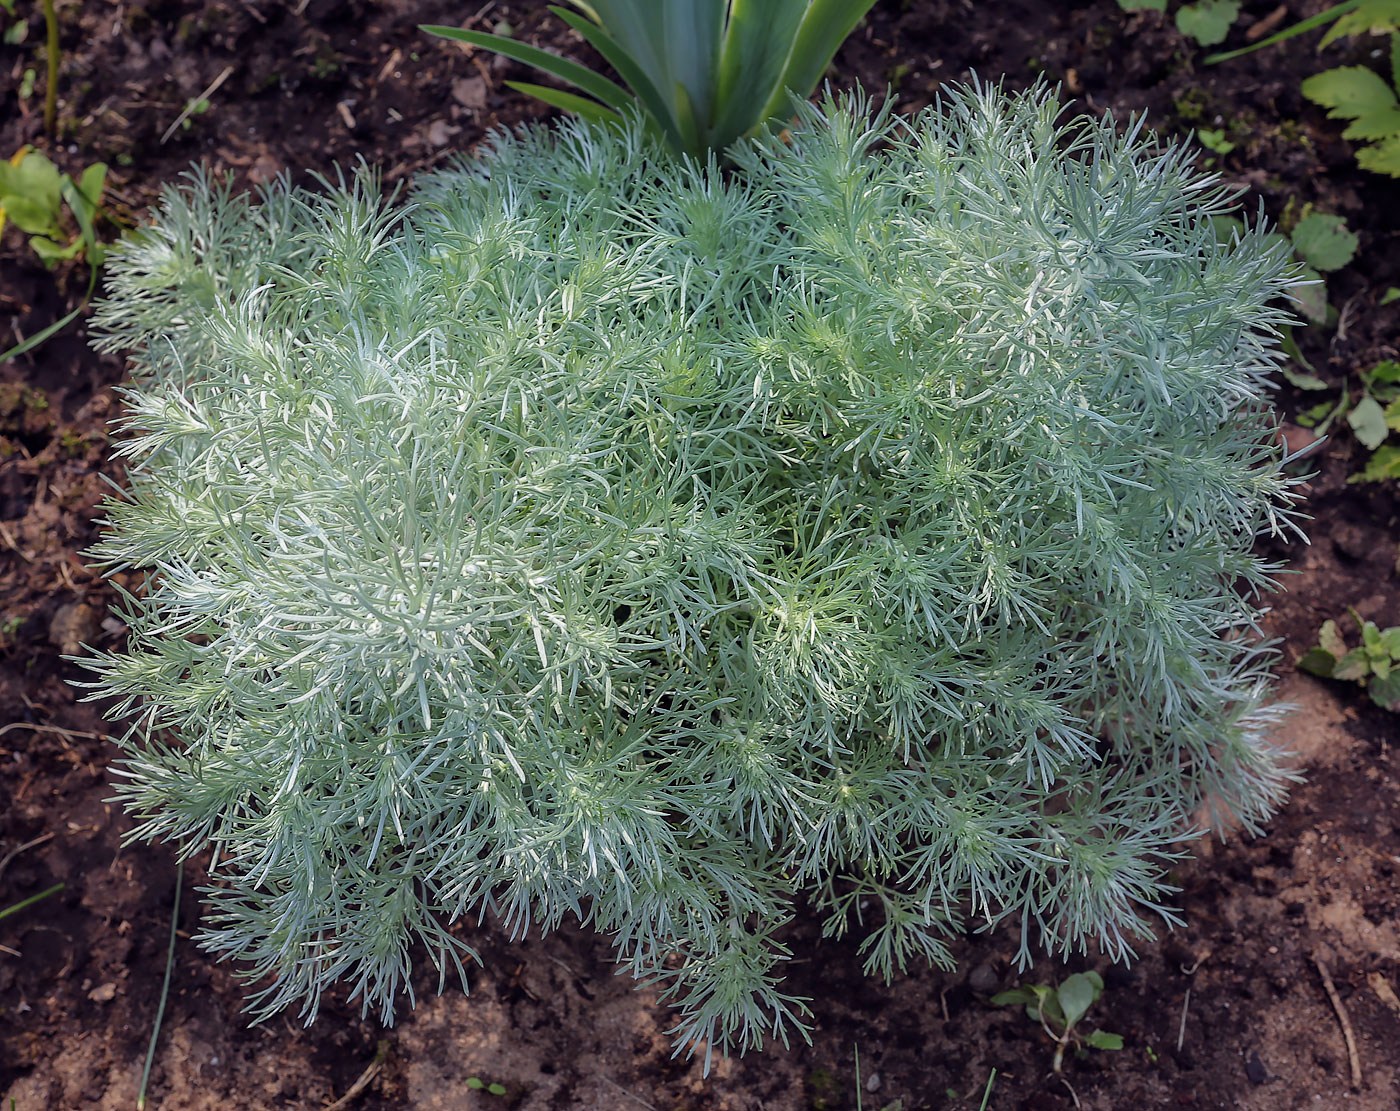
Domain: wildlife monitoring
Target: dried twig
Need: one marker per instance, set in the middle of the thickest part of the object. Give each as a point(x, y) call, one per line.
point(9, 856)
point(1181, 1029)
point(190, 107)
point(1353, 1057)
point(380, 1056)
point(613, 1084)
point(72, 734)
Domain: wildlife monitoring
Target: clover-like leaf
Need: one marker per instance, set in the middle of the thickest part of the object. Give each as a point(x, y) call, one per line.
point(1208, 22)
point(1367, 420)
point(1324, 241)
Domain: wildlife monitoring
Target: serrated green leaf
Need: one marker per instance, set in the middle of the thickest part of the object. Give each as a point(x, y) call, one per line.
point(1324, 241)
point(1376, 17)
point(1354, 665)
point(1385, 693)
point(1368, 422)
point(1349, 91)
point(1383, 464)
point(1380, 124)
point(1381, 158)
point(1309, 418)
point(1208, 22)
point(1317, 661)
point(1101, 1039)
point(1075, 996)
point(1391, 639)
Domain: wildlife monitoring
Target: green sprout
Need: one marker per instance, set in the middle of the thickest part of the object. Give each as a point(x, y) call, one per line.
point(1375, 663)
point(1059, 1009)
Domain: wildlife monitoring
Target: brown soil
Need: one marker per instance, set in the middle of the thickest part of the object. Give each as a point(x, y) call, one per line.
point(1229, 1012)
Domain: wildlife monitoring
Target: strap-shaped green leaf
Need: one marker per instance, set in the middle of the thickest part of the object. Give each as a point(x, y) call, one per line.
point(757, 45)
point(569, 102)
point(1299, 28)
point(825, 28)
point(594, 84)
point(647, 94)
point(675, 43)
point(685, 118)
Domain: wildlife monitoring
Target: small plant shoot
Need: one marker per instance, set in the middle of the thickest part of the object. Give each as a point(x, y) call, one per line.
point(604, 537)
point(1059, 1009)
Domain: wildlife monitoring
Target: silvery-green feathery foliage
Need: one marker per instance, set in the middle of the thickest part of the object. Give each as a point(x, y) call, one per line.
point(604, 538)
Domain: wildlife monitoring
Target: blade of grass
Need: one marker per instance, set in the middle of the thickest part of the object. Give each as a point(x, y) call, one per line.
point(29, 902)
point(164, 991)
point(1287, 33)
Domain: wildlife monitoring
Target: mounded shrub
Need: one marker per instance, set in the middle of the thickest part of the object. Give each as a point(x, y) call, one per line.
point(867, 526)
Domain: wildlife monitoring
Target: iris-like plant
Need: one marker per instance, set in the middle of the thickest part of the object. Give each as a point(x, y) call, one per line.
point(612, 538)
point(703, 73)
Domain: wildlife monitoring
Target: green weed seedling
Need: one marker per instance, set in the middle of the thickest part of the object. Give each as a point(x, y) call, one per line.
point(1059, 1009)
point(1355, 93)
point(476, 1084)
point(33, 196)
point(1321, 243)
point(1375, 664)
point(1208, 22)
point(1374, 416)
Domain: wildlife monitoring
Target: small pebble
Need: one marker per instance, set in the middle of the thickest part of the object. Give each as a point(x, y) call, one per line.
point(73, 625)
point(1254, 1068)
point(983, 979)
point(1350, 541)
point(872, 1082)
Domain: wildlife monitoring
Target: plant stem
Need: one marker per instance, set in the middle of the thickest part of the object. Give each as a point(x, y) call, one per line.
point(51, 87)
point(30, 901)
point(164, 988)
